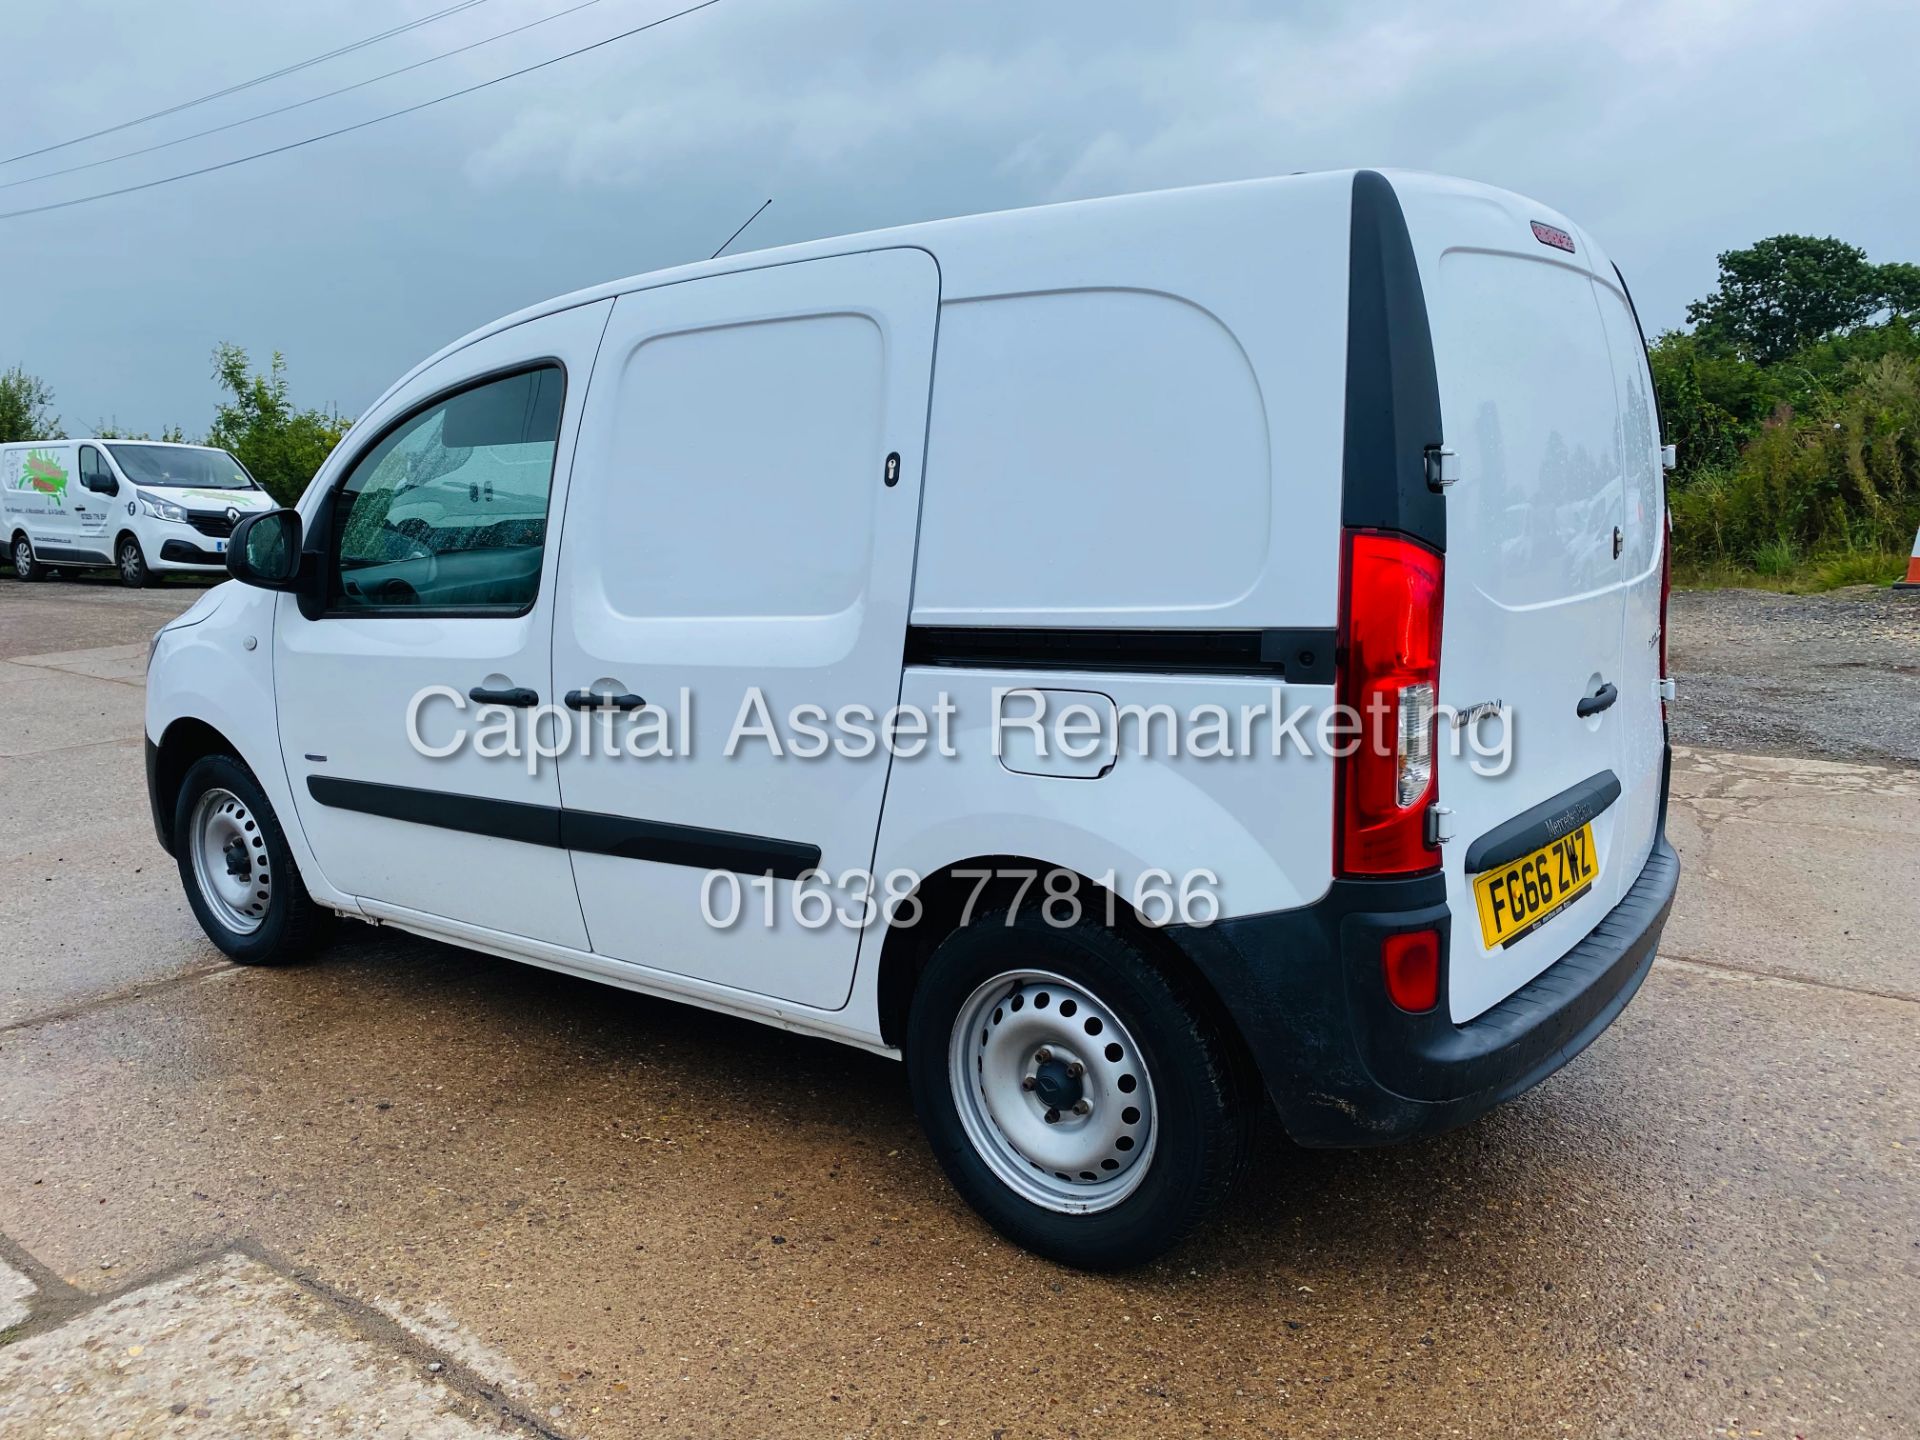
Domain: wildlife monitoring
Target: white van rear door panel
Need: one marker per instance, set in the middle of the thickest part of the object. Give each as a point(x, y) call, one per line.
point(1534, 591)
point(733, 531)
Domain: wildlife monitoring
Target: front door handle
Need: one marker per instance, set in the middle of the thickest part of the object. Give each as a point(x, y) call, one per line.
point(1595, 703)
point(518, 696)
point(596, 700)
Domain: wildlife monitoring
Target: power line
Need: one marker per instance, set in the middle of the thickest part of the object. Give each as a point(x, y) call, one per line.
point(249, 84)
point(297, 104)
point(358, 125)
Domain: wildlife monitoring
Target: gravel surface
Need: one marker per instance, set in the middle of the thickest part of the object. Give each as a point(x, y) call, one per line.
point(1833, 676)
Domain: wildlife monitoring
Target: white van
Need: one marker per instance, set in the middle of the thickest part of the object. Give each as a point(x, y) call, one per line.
point(845, 636)
point(142, 507)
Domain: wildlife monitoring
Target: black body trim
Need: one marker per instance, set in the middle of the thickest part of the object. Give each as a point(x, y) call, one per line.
point(68, 555)
point(162, 820)
point(500, 819)
point(1346, 1067)
point(1304, 656)
point(1393, 389)
point(1546, 822)
point(560, 828)
point(668, 844)
point(185, 552)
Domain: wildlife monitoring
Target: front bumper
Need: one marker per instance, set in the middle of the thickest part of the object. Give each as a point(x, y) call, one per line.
point(1346, 1067)
point(198, 551)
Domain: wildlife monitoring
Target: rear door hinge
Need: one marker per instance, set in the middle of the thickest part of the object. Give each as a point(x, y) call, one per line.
point(1439, 825)
point(1443, 467)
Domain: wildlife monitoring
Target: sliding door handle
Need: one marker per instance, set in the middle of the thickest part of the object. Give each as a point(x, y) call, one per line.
point(596, 700)
point(519, 697)
point(1601, 700)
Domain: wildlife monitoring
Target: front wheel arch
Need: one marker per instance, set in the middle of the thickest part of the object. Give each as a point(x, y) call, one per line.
point(185, 741)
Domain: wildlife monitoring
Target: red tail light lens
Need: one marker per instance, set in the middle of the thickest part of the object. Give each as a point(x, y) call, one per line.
point(1411, 965)
point(1390, 680)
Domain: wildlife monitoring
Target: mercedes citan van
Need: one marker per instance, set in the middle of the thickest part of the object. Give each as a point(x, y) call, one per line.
point(146, 508)
point(1132, 660)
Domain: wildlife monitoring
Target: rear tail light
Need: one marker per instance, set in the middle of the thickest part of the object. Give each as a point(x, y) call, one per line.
point(1411, 966)
point(1389, 678)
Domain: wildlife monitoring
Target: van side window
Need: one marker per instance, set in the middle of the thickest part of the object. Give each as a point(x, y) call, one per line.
point(447, 511)
point(93, 466)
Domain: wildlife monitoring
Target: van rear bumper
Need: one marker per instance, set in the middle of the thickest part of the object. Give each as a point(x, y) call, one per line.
point(1346, 1067)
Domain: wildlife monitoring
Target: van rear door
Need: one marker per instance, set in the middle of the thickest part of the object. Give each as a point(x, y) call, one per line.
point(1538, 573)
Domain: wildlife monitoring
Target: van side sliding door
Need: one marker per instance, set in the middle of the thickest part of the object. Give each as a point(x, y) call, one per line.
point(741, 534)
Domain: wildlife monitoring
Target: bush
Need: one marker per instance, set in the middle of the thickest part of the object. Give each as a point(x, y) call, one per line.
point(1837, 480)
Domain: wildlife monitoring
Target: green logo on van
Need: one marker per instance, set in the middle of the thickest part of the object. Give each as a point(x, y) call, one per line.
point(43, 472)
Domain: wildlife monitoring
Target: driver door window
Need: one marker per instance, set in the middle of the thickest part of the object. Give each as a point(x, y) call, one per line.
point(94, 474)
point(447, 512)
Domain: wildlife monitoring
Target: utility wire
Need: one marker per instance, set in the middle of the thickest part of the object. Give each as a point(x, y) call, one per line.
point(249, 84)
point(297, 104)
point(358, 125)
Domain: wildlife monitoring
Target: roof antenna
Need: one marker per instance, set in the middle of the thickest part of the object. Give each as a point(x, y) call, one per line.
point(743, 225)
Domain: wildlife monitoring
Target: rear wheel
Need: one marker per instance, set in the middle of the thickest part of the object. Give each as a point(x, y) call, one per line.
point(132, 564)
point(25, 567)
point(237, 869)
point(1072, 1092)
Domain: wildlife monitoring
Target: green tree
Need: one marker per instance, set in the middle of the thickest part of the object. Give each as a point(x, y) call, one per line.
point(1791, 291)
point(283, 446)
point(24, 407)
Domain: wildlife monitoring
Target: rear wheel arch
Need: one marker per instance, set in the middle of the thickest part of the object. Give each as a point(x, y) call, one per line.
point(944, 895)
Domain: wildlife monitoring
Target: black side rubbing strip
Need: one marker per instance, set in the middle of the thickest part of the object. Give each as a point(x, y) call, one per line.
point(1304, 656)
point(1545, 822)
point(1393, 390)
point(500, 819)
point(667, 844)
point(584, 830)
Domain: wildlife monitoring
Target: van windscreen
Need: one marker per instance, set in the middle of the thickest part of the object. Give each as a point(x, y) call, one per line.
point(184, 465)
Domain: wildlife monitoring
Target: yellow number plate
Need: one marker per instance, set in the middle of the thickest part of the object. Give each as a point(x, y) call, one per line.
point(1524, 894)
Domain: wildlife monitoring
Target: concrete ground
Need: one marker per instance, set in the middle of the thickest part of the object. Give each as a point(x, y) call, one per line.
point(411, 1190)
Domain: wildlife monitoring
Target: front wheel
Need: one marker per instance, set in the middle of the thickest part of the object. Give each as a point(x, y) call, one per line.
point(237, 869)
point(1073, 1092)
point(133, 565)
point(25, 567)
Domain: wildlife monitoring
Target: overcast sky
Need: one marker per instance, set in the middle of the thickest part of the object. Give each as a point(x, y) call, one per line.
point(1671, 128)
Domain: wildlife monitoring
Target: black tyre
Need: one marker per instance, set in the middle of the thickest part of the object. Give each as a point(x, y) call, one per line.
point(132, 565)
point(25, 567)
point(237, 870)
point(1072, 1091)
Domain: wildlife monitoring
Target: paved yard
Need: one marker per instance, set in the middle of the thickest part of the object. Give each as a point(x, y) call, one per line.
point(411, 1190)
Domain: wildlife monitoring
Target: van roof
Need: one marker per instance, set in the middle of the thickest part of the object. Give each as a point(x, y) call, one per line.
point(987, 253)
point(118, 440)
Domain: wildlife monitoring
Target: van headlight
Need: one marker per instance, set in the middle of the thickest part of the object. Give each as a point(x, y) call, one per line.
point(162, 509)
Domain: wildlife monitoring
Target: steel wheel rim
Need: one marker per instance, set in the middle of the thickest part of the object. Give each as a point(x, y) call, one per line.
point(22, 557)
point(130, 561)
point(230, 861)
point(1080, 1162)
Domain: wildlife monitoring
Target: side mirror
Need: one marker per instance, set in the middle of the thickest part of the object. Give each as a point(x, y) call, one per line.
point(265, 550)
point(102, 484)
